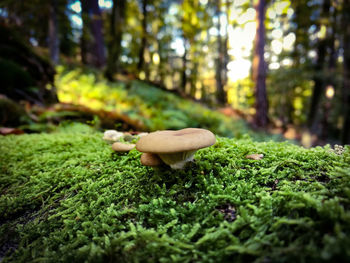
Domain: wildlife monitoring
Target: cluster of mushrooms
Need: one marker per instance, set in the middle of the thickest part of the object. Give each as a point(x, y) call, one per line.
point(174, 148)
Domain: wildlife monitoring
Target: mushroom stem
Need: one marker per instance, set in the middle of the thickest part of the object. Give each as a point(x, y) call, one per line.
point(177, 160)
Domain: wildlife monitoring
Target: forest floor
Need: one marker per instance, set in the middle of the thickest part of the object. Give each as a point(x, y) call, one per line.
point(67, 197)
point(131, 105)
point(127, 105)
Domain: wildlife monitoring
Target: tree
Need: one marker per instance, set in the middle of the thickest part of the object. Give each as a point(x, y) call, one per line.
point(346, 72)
point(140, 65)
point(220, 74)
point(117, 21)
point(163, 39)
point(194, 21)
point(92, 43)
point(321, 52)
point(184, 66)
point(259, 68)
point(54, 43)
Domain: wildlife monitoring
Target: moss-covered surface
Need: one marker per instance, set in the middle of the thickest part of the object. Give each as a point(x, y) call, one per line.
point(66, 197)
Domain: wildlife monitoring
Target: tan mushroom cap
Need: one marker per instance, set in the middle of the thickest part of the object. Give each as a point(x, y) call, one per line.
point(122, 147)
point(167, 141)
point(150, 159)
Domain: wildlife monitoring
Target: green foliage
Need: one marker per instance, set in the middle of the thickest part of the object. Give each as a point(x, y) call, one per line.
point(156, 108)
point(297, 84)
point(66, 197)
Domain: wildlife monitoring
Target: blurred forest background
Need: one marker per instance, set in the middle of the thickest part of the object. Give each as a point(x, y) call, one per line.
point(234, 66)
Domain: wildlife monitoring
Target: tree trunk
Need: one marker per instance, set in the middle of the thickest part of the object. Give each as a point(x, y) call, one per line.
point(184, 68)
point(85, 35)
point(193, 79)
point(221, 94)
point(319, 86)
point(331, 64)
point(162, 63)
point(140, 65)
point(53, 33)
point(116, 33)
point(346, 72)
point(226, 59)
point(92, 43)
point(259, 68)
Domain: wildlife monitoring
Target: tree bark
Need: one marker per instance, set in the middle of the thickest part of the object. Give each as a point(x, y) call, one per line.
point(346, 72)
point(116, 33)
point(331, 64)
point(219, 74)
point(318, 79)
point(92, 42)
point(140, 65)
point(193, 79)
point(259, 68)
point(85, 35)
point(184, 68)
point(54, 42)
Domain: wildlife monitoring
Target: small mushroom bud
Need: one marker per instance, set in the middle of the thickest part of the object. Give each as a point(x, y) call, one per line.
point(150, 159)
point(122, 147)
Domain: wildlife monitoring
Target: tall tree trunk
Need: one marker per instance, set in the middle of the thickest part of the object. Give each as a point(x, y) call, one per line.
point(162, 63)
point(318, 79)
point(96, 29)
point(346, 72)
point(54, 42)
point(259, 68)
point(92, 43)
point(193, 79)
point(184, 68)
point(226, 58)
point(140, 65)
point(85, 35)
point(116, 32)
point(331, 69)
point(221, 94)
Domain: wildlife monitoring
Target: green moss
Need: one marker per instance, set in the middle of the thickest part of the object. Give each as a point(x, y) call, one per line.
point(66, 197)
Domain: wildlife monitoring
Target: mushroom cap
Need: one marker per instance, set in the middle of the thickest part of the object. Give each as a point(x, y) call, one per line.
point(122, 147)
point(150, 159)
point(167, 141)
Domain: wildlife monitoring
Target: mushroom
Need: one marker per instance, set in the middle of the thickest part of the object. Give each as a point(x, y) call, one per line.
point(150, 159)
point(255, 156)
point(112, 135)
point(122, 147)
point(176, 148)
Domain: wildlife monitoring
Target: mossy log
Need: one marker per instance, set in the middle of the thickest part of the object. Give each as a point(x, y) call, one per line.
point(67, 197)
